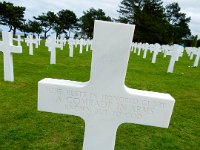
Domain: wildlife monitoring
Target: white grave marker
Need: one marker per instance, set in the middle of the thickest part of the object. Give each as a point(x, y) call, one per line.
point(71, 47)
point(81, 46)
point(175, 54)
point(30, 41)
point(7, 47)
point(37, 40)
point(156, 50)
point(52, 45)
point(196, 62)
point(105, 102)
point(18, 39)
point(146, 48)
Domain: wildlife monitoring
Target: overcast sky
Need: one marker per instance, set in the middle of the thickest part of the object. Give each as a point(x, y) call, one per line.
point(37, 7)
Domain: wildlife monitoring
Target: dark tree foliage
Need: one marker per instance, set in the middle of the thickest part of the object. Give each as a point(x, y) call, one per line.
point(153, 24)
point(66, 22)
point(11, 16)
point(34, 27)
point(88, 18)
point(47, 21)
point(179, 23)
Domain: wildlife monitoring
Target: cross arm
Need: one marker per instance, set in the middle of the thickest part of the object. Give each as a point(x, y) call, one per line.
point(147, 108)
point(58, 96)
point(16, 49)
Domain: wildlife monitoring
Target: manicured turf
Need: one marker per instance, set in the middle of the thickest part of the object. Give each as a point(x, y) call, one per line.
point(23, 127)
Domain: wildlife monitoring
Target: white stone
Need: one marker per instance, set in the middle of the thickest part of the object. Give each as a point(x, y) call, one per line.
point(197, 53)
point(7, 47)
point(18, 39)
point(135, 47)
point(81, 46)
point(71, 47)
point(87, 45)
point(30, 41)
point(37, 40)
point(146, 48)
point(52, 44)
point(139, 48)
point(156, 50)
point(104, 102)
point(175, 54)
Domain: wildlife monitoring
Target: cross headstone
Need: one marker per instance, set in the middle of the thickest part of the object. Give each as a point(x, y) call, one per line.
point(135, 47)
point(52, 44)
point(19, 40)
point(7, 47)
point(139, 48)
point(196, 62)
point(175, 54)
point(71, 47)
point(156, 50)
point(81, 46)
point(37, 40)
point(105, 102)
point(30, 41)
point(87, 42)
point(146, 48)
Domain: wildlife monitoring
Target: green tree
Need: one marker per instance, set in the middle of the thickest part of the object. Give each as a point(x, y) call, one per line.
point(34, 27)
point(149, 18)
point(11, 16)
point(65, 22)
point(179, 23)
point(47, 21)
point(129, 11)
point(88, 18)
point(194, 41)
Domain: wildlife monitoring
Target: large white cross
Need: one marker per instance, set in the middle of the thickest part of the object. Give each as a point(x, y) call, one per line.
point(104, 102)
point(7, 47)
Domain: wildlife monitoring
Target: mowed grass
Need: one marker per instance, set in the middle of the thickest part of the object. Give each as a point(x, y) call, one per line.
point(23, 127)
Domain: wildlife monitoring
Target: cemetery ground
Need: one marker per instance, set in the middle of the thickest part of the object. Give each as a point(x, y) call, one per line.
point(23, 127)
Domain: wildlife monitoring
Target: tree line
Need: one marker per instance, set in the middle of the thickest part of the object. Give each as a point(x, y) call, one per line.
point(154, 22)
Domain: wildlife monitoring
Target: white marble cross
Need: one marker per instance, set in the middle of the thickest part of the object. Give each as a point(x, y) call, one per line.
point(197, 53)
point(156, 50)
point(139, 48)
point(87, 42)
point(81, 46)
point(175, 54)
point(18, 39)
point(30, 41)
point(37, 39)
point(146, 48)
point(7, 47)
point(52, 44)
point(104, 102)
point(71, 47)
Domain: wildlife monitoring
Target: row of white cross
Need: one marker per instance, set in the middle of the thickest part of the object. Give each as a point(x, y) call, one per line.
point(7, 47)
point(52, 43)
point(174, 51)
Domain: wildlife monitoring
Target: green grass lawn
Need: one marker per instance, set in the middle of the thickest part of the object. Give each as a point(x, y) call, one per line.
point(23, 127)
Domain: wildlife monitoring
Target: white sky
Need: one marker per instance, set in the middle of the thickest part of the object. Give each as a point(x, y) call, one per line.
point(37, 7)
